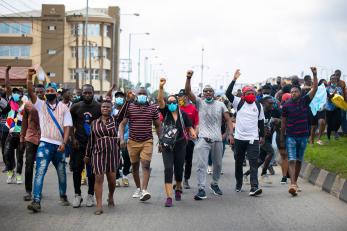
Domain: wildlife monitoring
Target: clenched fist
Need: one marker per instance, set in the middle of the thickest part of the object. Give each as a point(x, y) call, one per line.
point(314, 70)
point(162, 82)
point(237, 74)
point(190, 73)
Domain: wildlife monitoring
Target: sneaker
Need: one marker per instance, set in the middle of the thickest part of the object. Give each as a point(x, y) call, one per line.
point(19, 179)
point(298, 189)
point(245, 180)
point(271, 170)
point(118, 183)
point(209, 170)
point(244, 163)
point(239, 189)
point(222, 172)
point(34, 206)
point(168, 202)
point(284, 180)
point(27, 197)
point(90, 200)
point(216, 190)
point(4, 170)
point(200, 195)
point(64, 201)
point(11, 177)
point(265, 179)
point(77, 201)
point(125, 181)
point(255, 191)
point(178, 195)
point(137, 193)
point(320, 142)
point(186, 184)
point(145, 195)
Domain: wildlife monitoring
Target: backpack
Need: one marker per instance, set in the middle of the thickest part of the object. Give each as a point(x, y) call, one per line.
point(242, 102)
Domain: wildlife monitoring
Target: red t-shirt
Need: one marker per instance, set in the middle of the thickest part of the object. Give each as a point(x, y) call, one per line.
point(192, 113)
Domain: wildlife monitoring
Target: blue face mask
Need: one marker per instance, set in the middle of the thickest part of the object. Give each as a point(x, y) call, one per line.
point(119, 101)
point(209, 100)
point(172, 107)
point(142, 99)
point(15, 97)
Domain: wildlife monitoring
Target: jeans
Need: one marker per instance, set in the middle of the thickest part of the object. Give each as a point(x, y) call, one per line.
point(188, 160)
point(296, 147)
point(77, 164)
point(241, 147)
point(31, 150)
point(12, 144)
point(201, 151)
point(174, 161)
point(46, 153)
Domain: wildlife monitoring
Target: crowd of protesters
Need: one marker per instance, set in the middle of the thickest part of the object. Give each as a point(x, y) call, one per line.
point(114, 136)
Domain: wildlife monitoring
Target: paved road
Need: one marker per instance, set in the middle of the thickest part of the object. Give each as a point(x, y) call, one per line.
point(274, 210)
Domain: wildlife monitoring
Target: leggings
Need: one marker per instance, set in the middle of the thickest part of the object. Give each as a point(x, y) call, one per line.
point(173, 162)
point(333, 121)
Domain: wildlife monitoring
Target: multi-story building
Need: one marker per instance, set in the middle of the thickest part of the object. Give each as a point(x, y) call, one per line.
point(71, 48)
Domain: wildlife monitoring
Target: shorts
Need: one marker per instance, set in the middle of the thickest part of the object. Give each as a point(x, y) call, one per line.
point(296, 147)
point(140, 150)
point(320, 115)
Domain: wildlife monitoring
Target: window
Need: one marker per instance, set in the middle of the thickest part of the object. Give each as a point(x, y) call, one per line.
point(106, 30)
point(93, 30)
point(51, 52)
point(15, 28)
point(93, 50)
point(95, 74)
point(79, 29)
point(52, 27)
point(51, 74)
point(15, 51)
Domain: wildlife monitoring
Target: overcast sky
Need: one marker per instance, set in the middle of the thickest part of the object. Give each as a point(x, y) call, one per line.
point(264, 38)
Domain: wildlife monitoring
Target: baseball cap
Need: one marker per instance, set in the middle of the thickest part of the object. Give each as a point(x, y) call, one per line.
point(182, 92)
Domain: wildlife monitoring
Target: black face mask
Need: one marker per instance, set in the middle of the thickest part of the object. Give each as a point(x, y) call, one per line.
point(51, 97)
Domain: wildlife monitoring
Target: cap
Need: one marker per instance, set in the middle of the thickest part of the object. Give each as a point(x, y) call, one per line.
point(182, 92)
point(52, 85)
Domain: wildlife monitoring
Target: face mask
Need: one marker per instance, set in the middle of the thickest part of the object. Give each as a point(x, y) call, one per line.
point(15, 97)
point(264, 95)
point(181, 102)
point(51, 97)
point(172, 107)
point(209, 100)
point(119, 101)
point(142, 99)
point(250, 98)
point(333, 84)
point(77, 97)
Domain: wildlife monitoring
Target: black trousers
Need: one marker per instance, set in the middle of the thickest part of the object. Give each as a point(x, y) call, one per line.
point(266, 151)
point(12, 144)
point(77, 164)
point(173, 162)
point(333, 121)
point(30, 155)
point(241, 147)
point(3, 142)
point(188, 160)
point(126, 161)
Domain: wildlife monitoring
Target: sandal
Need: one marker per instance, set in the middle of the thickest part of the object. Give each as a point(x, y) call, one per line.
point(293, 190)
point(110, 203)
point(98, 212)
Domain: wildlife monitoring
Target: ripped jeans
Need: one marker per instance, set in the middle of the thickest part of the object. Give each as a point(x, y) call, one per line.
point(46, 153)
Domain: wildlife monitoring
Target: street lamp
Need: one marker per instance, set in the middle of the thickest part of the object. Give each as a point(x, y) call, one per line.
point(129, 55)
point(139, 62)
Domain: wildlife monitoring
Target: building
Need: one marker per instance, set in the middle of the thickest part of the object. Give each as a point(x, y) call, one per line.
point(69, 52)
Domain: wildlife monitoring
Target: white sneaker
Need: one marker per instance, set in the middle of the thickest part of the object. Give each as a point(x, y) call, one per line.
point(19, 179)
point(76, 203)
point(137, 193)
point(265, 179)
point(125, 181)
point(90, 200)
point(11, 178)
point(209, 170)
point(245, 180)
point(145, 195)
point(118, 184)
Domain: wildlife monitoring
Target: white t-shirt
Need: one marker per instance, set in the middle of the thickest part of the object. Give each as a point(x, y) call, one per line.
point(49, 131)
point(246, 127)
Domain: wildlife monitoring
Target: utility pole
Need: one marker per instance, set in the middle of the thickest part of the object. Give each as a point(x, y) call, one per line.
point(145, 70)
point(202, 68)
point(90, 62)
point(77, 60)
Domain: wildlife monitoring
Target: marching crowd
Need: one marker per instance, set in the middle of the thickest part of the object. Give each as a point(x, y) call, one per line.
point(114, 138)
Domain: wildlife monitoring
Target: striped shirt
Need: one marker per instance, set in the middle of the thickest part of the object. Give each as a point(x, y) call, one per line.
point(296, 113)
point(141, 118)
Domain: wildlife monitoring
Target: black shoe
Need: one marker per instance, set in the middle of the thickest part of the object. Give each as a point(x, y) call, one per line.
point(35, 206)
point(255, 191)
point(27, 197)
point(186, 184)
point(284, 180)
point(64, 201)
point(238, 188)
point(200, 195)
point(4, 170)
point(271, 170)
point(216, 190)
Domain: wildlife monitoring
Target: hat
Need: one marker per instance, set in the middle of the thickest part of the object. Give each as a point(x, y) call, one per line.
point(208, 87)
point(117, 93)
point(52, 85)
point(182, 92)
point(247, 88)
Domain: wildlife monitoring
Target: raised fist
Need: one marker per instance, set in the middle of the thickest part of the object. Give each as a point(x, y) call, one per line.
point(130, 95)
point(190, 73)
point(314, 70)
point(31, 72)
point(237, 74)
point(162, 82)
point(8, 68)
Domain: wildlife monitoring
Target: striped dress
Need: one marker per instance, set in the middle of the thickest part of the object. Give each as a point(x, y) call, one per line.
point(103, 143)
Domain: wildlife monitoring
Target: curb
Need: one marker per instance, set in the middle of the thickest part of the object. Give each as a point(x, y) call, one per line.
point(327, 181)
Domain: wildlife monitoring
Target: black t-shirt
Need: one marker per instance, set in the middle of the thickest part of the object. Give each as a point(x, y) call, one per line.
point(82, 116)
point(275, 113)
point(168, 118)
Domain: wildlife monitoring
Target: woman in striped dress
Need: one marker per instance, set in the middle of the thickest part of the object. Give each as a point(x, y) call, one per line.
point(102, 151)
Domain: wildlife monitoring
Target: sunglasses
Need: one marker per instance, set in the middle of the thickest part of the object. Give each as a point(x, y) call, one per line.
point(172, 102)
